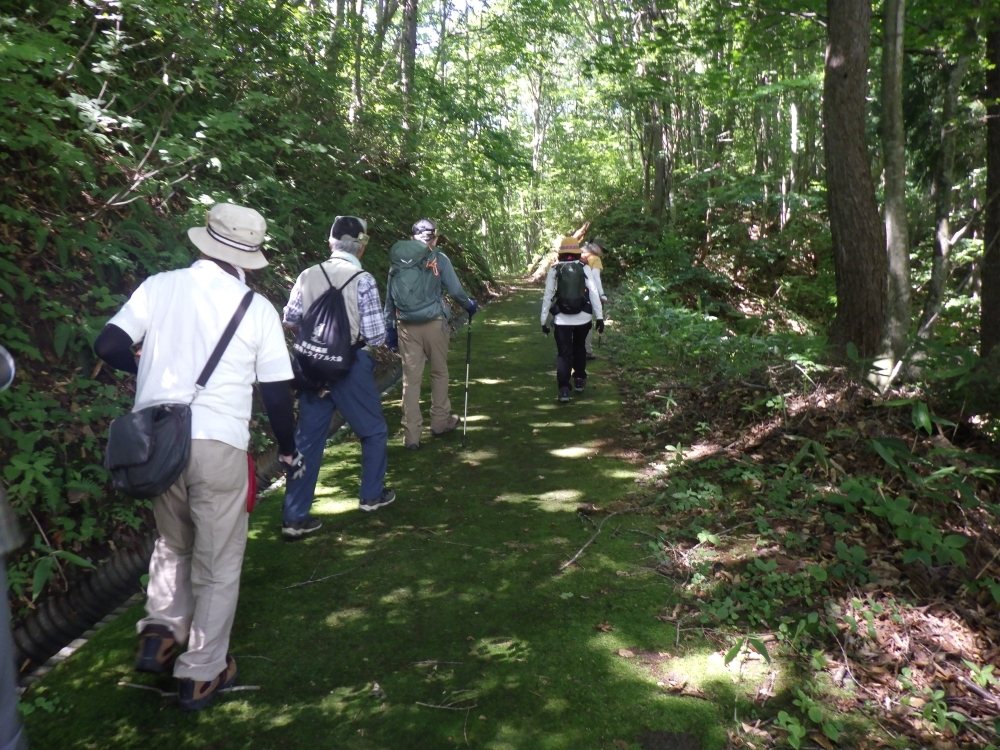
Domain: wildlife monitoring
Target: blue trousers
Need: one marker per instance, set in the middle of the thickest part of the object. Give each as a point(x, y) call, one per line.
point(358, 399)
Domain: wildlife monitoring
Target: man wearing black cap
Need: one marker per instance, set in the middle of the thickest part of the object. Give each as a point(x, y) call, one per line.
point(355, 394)
point(416, 319)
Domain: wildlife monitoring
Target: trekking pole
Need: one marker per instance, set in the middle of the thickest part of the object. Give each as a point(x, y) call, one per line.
point(468, 359)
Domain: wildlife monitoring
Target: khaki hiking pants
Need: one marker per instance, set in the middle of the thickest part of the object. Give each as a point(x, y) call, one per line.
point(420, 343)
point(194, 575)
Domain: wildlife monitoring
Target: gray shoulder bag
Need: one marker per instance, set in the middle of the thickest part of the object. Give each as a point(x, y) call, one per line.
point(148, 449)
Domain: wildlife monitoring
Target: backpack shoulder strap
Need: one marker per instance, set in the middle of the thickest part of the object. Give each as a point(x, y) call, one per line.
point(344, 285)
point(326, 276)
point(220, 348)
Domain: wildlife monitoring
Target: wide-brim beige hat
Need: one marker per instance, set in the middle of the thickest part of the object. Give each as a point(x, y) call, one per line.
point(232, 233)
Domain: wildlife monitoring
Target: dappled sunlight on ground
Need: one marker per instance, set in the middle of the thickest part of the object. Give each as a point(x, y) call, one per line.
point(574, 451)
point(345, 617)
point(333, 502)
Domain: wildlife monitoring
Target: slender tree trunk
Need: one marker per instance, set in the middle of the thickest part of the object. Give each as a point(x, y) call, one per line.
point(408, 71)
point(894, 151)
point(944, 180)
point(358, 28)
point(856, 228)
point(989, 330)
point(661, 151)
point(385, 11)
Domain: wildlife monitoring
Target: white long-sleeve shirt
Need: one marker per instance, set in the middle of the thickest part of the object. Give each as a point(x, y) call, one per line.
point(562, 319)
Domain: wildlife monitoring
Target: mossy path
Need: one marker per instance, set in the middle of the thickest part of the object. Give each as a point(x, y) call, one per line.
point(450, 599)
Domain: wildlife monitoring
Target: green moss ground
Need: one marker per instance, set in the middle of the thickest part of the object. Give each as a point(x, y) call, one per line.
point(450, 596)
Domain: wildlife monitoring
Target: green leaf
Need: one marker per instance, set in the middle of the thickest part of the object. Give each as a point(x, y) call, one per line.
point(955, 541)
point(817, 572)
point(734, 652)
point(852, 351)
point(43, 572)
point(831, 731)
point(816, 715)
point(885, 452)
point(758, 645)
point(898, 402)
point(922, 417)
point(75, 559)
point(61, 338)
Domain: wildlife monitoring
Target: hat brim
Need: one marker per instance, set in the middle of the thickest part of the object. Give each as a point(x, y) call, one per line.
point(214, 249)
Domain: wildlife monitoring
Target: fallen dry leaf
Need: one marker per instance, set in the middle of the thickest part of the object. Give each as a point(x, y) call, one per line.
point(822, 740)
point(604, 627)
point(625, 652)
point(622, 744)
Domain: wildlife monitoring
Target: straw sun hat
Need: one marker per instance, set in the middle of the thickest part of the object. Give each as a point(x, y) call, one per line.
point(569, 245)
point(233, 234)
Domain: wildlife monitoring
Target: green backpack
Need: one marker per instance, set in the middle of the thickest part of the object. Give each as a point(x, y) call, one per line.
point(572, 296)
point(414, 281)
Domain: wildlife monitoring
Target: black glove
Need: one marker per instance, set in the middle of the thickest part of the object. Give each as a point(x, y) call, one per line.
point(600, 325)
point(296, 468)
point(545, 330)
point(473, 308)
point(392, 339)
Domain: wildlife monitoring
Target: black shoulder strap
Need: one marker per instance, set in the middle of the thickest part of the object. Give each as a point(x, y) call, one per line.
point(325, 275)
point(344, 285)
point(227, 336)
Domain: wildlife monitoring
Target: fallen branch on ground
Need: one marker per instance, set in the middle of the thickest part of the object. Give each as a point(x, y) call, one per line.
point(589, 542)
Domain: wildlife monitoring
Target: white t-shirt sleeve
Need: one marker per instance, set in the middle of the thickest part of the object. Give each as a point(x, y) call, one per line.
point(272, 363)
point(133, 318)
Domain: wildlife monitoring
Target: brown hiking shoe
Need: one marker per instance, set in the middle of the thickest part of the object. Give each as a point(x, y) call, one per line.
point(448, 426)
point(157, 650)
point(194, 695)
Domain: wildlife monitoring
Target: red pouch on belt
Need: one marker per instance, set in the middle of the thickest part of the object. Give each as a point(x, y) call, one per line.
point(252, 484)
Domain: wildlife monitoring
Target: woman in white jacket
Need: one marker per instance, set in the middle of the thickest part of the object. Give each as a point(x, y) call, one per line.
point(574, 302)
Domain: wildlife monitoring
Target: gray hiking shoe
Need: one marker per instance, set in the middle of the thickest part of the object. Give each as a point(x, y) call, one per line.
point(564, 395)
point(294, 531)
point(450, 425)
point(387, 497)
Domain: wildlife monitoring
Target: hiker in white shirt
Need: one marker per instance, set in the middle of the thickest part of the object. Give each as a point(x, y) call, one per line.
point(179, 317)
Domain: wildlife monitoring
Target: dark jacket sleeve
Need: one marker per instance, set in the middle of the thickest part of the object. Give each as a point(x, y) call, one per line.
point(277, 398)
point(449, 279)
point(114, 346)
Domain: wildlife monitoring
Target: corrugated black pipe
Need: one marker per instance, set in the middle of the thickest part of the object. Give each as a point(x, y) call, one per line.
point(60, 620)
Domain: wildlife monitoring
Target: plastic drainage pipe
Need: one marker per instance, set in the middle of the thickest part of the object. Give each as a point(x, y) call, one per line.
point(59, 621)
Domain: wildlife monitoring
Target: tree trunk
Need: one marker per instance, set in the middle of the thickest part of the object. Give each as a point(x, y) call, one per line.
point(661, 152)
point(944, 180)
point(857, 232)
point(359, 31)
point(408, 70)
point(894, 150)
point(989, 329)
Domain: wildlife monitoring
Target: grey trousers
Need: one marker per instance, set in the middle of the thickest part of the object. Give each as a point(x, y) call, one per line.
point(194, 574)
point(12, 736)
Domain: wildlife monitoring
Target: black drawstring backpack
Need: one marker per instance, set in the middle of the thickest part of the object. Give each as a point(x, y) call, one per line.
point(323, 347)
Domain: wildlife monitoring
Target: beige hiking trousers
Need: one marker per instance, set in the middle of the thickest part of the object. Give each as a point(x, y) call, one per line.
point(194, 575)
point(420, 343)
